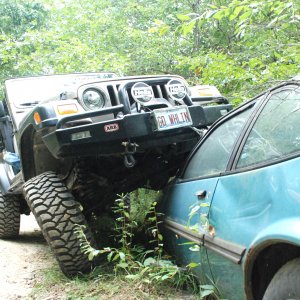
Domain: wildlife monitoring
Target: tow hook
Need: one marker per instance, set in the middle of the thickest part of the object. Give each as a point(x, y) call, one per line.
point(130, 149)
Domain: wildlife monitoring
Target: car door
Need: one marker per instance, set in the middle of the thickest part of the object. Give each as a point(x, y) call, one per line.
point(188, 199)
point(258, 188)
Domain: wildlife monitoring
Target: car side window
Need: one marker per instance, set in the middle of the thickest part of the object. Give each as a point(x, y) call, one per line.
point(213, 155)
point(276, 132)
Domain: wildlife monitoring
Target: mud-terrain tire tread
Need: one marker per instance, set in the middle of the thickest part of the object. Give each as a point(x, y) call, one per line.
point(286, 282)
point(58, 215)
point(9, 216)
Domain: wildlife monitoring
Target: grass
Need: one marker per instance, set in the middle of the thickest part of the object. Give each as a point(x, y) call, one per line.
point(137, 280)
point(103, 283)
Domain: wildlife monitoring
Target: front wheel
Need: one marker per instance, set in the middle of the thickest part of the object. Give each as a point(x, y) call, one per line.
point(285, 283)
point(58, 215)
point(9, 216)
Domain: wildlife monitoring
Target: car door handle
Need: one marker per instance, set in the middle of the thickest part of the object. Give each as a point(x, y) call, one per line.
point(201, 195)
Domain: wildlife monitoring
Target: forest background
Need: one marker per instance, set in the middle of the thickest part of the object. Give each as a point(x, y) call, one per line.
point(241, 46)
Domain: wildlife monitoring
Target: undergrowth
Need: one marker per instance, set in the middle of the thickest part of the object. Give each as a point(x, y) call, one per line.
point(136, 253)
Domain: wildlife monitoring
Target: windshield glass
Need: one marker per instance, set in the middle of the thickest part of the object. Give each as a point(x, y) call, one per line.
point(30, 91)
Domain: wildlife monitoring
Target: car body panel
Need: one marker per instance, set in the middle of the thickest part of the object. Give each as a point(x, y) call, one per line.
point(254, 206)
point(227, 275)
point(251, 210)
point(184, 195)
point(238, 214)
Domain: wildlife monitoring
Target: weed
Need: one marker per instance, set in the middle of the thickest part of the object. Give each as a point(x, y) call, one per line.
point(143, 264)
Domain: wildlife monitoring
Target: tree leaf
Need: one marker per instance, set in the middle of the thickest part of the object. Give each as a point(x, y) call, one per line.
point(183, 18)
point(236, 12)
point(245, 15)
point(219, 14)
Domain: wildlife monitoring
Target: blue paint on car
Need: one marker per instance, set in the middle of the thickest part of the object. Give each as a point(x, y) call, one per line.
point(246, 170)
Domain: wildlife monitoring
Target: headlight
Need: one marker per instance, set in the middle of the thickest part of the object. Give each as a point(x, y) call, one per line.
point(93, 99)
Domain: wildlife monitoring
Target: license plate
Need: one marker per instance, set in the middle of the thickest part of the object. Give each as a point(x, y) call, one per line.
point(169, 118)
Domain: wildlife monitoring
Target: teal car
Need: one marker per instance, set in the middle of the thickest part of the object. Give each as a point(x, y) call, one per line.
point(237, 200)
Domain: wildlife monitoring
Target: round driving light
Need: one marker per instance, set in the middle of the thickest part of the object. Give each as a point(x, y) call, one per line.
point(93, 99)
point(176, 89)
point(142, 92)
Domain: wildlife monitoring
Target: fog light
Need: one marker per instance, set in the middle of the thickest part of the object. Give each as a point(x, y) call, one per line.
point(80, 135)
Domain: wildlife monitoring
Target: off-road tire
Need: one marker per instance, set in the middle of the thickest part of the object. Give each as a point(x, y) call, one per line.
point(58, 215)
point(286, 282)
point(9, 216)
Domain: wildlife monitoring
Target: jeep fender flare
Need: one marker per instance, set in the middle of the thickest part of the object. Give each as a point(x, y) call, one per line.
point(27, 152)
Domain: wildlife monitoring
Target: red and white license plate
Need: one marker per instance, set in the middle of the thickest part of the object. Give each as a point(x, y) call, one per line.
point(169, 118)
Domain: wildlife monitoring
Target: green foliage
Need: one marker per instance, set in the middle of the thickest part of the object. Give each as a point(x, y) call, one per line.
point(149, 266)
point(17, 17)
point(241, 46)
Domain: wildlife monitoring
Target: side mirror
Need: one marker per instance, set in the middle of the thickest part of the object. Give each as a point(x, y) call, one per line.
point(2, 110)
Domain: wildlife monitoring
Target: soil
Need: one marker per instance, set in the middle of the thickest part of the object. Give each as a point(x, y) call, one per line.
point(22, 261)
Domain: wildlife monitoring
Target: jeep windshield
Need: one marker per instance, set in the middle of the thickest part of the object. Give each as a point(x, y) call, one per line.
point(29, 91)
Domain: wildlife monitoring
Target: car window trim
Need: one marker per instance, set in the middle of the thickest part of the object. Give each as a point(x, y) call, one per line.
point(264, 164)
point(219, 123)
point(248, 129)
point(245, 133)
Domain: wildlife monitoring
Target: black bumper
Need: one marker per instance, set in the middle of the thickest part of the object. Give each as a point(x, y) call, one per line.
point(106, 137)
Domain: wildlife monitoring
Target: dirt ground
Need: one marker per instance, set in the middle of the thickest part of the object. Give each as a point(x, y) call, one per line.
point(21, 261)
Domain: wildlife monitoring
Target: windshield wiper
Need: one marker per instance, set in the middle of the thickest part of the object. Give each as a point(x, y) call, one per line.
point(29, 103)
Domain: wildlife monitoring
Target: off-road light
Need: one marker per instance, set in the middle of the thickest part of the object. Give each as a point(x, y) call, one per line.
point(176, 89)
point(80, 135)
point(142, 92)
point(67, 109)
point(93, 99)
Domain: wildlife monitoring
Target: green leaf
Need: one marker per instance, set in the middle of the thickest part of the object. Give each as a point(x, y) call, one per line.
point(132, 276)
point(183, 18)
point(236, 12)
point(195, 248)
point(149, 261)
point(206, 293)
point(192, 265)
point(163, 30)
point(207, 287)
point(122, 265)
point(272, 22)
point(122, 256)
point(165, 277)
point(219, 14)
point(117, 255)
point(194, 210)
point(245, 15)
point(160, 237)
point(188, 27)
point(91, 256)
point(109, 256)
